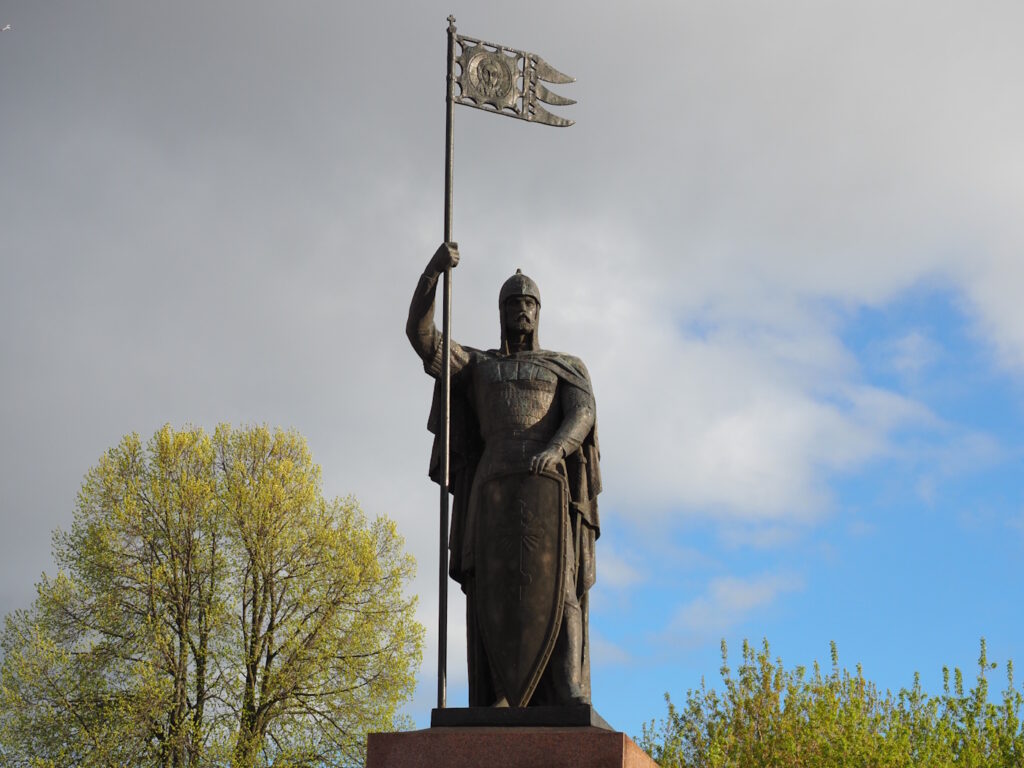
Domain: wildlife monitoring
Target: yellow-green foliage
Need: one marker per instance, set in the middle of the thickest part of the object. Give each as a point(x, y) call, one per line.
point(771, 717)
point(211, 608)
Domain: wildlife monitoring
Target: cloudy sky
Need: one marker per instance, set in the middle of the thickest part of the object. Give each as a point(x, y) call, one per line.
point(786, 238)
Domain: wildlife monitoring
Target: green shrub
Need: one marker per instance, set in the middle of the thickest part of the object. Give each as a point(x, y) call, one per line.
point(771, 717)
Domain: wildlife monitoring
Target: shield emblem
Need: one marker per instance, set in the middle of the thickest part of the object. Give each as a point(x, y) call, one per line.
point(520, 544)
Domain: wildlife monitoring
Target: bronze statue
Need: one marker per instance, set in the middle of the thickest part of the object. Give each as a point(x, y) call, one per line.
point(525, 475)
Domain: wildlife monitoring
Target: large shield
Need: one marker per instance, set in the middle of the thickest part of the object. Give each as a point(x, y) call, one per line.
point(520, 561)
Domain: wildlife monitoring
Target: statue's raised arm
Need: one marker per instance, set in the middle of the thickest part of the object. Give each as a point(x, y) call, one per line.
point(420, 327)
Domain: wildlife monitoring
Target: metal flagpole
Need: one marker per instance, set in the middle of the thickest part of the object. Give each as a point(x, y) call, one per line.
point(446, 384)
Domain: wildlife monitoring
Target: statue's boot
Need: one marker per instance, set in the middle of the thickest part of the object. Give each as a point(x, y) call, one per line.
point(568, 657)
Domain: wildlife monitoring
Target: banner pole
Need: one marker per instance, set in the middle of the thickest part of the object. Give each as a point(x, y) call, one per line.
point(446, 383)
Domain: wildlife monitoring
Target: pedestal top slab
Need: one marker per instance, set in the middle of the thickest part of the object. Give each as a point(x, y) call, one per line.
point(518, 747)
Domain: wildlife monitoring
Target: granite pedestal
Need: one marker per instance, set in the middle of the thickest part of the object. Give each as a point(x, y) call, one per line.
point(508, 738)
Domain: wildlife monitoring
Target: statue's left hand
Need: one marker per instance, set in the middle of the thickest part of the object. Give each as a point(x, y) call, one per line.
point(546, 460)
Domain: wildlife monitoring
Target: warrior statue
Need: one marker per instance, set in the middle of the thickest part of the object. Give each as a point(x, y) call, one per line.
point(525, 479)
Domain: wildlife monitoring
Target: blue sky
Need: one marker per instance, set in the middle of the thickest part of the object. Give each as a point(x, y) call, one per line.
point(914, 559)
point(785, 238)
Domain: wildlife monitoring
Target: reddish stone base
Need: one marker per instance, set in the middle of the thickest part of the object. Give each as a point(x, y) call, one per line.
point(505, 748)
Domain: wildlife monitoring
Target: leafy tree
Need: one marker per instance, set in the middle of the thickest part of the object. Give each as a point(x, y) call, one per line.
point(770, 716)
point(211, 608)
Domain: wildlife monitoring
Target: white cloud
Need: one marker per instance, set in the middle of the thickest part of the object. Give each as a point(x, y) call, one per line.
point(604, 653)
point(758, 536)
point(729, 601)
point(960, 453)
point(993, 285)
point(910, 354)
point(744, 417)
point(861, 528)
point(617, 571)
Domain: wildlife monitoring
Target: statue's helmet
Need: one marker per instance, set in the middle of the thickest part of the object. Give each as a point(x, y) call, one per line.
point(518, 285)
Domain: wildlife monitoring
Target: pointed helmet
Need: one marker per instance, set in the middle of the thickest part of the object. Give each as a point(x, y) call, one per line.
point(519, 285)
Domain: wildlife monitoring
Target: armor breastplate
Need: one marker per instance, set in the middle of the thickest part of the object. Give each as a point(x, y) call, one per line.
point(515, 400)
point(518, 411)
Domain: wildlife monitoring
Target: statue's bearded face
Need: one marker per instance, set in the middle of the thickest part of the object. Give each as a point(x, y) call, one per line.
point(519, 314)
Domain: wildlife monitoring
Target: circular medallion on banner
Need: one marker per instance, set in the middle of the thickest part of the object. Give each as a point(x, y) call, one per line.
point(490, 75)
